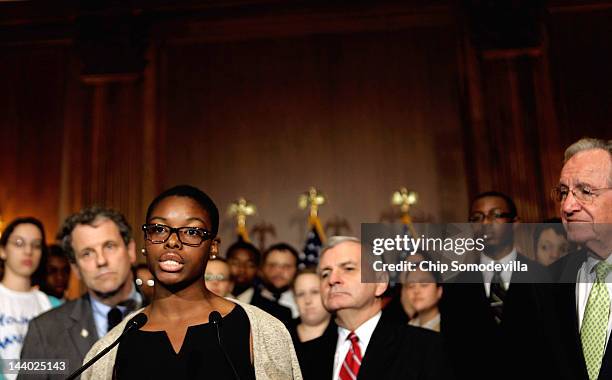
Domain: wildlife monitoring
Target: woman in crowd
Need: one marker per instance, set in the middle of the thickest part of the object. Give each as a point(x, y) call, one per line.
point(423, 290)
point(56, 274)
point(218, 278)
point(22, 249)
point(550, 241)
point(179, 341)
point(314, 319)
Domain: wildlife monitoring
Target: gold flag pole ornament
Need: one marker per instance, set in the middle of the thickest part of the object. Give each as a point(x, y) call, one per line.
point(405, 198)
point(241, 209)
point(313, 198)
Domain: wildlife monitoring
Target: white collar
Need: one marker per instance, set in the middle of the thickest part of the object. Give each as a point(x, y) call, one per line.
point(363, 332)
point(505, 275)
point(591, 262)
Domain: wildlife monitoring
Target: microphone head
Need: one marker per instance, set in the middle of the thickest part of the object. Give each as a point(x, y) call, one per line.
point(214, 317)
point(138, 320)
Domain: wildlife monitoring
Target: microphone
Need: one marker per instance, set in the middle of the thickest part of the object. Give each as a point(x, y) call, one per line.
point(215, 318)
point(135, 323)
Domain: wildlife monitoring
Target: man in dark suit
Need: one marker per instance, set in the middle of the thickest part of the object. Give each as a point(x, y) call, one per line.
point(101, 249)
point(274, 295)
point(489, 318)
point(584, 292)
point(365, 344)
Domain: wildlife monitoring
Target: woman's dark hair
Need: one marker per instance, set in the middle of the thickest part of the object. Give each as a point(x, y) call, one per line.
point(241, 244)
point(195, 194)
point(56, 250)
point(38, 275)
point(425, 256)
point(554, 224)
point(311, 269)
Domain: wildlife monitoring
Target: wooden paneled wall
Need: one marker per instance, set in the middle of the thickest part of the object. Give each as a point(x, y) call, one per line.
point(263, 99)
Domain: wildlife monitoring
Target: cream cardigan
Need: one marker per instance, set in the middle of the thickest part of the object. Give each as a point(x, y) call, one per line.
point(274, 357)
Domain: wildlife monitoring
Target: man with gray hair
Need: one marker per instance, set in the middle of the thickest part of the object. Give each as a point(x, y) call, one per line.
point(365, 345)
point(99, 245)
point(584, 296)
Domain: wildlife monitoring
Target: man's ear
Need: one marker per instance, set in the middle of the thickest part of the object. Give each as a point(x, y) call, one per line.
point(131, 249)
point(381, 287)
point(76, 271)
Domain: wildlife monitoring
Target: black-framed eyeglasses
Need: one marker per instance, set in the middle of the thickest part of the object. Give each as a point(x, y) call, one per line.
point(583, 193)
point(191, 236)
point(493, 215)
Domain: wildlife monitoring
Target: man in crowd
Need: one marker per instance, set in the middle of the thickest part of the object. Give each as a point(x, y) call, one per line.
point(487, 316)
point(278, 270)
point(365, 345)
point(584, 295)
point(243, 259)
point(100, 247)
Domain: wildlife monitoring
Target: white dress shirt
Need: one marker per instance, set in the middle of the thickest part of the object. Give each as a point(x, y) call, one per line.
point(584, 284)
point(286, 299)
point(100, 311)
point(363, 332)
point(433, 324)
point(505, 275)
point(247, 295)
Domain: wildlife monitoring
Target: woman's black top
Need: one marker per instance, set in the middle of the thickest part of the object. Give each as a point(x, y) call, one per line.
point(149, 354)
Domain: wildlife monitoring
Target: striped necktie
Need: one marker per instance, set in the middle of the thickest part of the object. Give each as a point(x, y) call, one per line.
point(352, 361)
point(595, 321)
point(497, 296)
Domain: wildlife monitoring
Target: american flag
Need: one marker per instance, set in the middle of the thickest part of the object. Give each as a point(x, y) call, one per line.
point(312, 248)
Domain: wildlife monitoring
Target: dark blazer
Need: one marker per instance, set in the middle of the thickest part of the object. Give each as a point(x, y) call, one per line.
point(65, 333)
point(483, 349)
point(394, 352)
point(569, 346)
point(282, 313)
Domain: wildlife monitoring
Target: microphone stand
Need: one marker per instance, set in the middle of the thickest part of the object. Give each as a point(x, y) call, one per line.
point(134, 324)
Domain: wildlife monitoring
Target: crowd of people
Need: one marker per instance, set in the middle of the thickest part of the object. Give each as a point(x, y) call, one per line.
point(247, 314)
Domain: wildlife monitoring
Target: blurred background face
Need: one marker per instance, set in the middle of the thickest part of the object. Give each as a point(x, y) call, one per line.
point(242, 267)
point(217, 278)
point(23, 250)
point(57, 275)
point(421, 291)
point(550, 247)
point(279, 269)
point(496, 221)
point(102, 258)
point(308, 298)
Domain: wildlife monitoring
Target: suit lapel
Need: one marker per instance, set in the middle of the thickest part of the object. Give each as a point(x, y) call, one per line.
point(81, 326)
point(606, 363)
point(379, 354)
point(569, 310)
point(525, 277)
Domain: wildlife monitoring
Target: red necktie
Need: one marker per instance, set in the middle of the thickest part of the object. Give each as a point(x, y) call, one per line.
point(352, 362)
